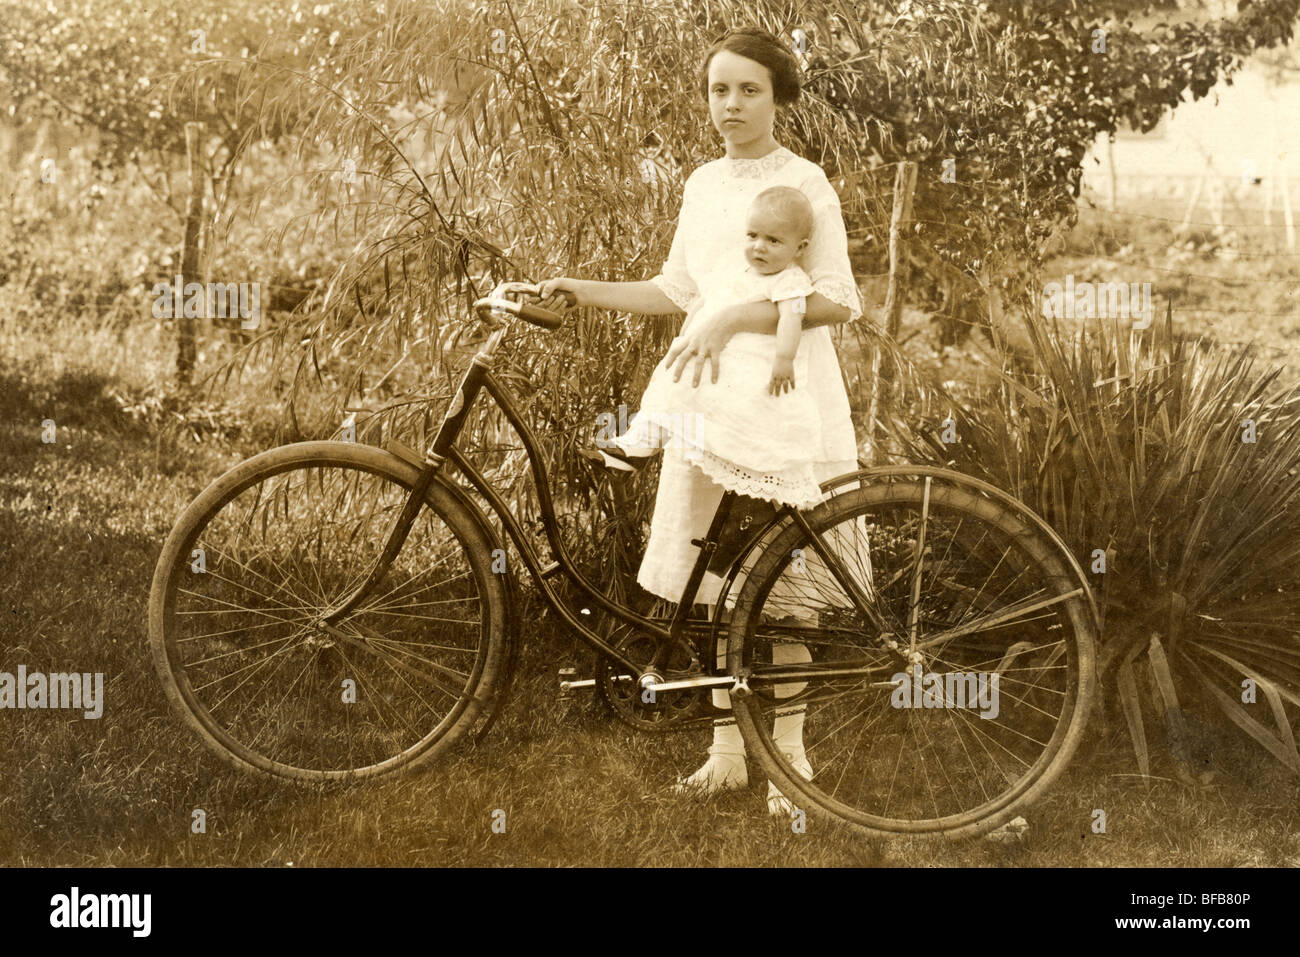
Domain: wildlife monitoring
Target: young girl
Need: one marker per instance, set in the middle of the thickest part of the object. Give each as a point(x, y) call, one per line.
point(754, 419)
point(745, 77)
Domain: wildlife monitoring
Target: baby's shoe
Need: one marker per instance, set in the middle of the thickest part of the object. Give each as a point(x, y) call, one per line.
point(615, 458)
point(622, 453)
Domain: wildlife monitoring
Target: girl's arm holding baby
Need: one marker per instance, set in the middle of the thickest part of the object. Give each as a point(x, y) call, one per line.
point(826, 262)
point(705, 340)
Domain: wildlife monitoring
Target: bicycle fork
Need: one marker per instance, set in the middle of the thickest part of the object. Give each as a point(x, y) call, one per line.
point(392, 545)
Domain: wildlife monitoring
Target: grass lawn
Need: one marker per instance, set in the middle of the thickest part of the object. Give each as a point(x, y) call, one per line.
point(81, 524)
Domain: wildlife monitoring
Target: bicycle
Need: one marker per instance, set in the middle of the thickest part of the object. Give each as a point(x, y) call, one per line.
point(334, 611)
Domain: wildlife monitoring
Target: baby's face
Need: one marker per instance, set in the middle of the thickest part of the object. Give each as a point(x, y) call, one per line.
point(771, 243)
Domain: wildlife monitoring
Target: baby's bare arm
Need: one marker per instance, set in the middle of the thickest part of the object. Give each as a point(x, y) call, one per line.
point(789, 326)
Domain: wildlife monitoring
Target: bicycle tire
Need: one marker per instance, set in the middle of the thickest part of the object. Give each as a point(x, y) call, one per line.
point(393, 478)
point(1078, 644)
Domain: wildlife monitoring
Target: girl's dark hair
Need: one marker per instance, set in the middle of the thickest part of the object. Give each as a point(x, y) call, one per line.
point(757, 44)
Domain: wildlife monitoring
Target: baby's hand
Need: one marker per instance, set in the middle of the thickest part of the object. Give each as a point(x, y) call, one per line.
point(782, 375)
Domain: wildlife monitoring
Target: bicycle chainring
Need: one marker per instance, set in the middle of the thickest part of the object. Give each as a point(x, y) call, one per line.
point(622, 695)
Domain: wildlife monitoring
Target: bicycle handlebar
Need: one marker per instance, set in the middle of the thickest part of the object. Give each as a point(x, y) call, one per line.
point(536, 315)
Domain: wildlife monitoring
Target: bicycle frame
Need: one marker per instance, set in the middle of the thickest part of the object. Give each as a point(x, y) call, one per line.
point(478, 377)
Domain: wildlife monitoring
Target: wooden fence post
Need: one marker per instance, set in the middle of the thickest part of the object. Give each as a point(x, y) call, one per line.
point(904, 185)
point(185, 326)
point(1286, 208)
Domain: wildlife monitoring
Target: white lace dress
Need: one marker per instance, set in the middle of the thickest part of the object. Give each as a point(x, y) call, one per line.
point(710, 230)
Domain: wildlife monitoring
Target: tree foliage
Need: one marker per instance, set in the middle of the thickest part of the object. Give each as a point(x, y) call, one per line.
point(1012, 95)
point(519, 140)
point(104, 66)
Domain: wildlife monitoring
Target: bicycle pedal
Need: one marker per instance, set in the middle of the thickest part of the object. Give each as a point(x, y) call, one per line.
point(571, 683)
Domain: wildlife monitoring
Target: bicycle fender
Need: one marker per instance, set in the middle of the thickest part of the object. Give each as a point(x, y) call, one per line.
point(514, 643)
point(744, 560)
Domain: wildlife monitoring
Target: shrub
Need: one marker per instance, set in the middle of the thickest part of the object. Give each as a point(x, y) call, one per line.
point(1180, 463)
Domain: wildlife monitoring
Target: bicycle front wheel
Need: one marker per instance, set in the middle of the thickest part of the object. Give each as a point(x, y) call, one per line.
point(247, 574)
point(929, 650)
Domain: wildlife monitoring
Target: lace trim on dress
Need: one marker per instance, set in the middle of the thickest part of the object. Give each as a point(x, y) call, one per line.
point(797, 486)
point(681, 296)
point(758, 167)
point(842, 292)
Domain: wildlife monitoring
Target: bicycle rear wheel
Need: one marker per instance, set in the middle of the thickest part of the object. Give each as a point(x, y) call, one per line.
point(248, 572)
point(954, 690)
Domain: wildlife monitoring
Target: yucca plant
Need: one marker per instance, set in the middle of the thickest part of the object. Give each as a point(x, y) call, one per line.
point(1172, 468)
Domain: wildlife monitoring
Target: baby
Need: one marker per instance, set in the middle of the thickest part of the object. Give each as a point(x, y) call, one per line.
point(720, 417)
point(780, 224)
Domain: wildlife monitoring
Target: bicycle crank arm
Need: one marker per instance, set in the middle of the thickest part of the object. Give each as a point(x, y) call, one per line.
point(731, 682)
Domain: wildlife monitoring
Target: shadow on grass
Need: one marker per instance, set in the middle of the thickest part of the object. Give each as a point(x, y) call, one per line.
point(78, 398)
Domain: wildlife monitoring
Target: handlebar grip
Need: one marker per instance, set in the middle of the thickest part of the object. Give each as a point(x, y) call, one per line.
point(539, 316)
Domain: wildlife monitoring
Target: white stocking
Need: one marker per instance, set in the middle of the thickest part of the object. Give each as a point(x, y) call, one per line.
point(725, 768)
point(787, 729)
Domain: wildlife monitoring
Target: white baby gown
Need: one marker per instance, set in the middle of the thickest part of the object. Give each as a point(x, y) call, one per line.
point(735, 430)
point(710, 232)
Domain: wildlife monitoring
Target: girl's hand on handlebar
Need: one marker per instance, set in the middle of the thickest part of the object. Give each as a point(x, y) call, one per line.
point(551, 292)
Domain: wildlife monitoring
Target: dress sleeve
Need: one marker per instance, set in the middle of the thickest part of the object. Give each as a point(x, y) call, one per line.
point(791, 284)
point(674, 279)
point(826, 259)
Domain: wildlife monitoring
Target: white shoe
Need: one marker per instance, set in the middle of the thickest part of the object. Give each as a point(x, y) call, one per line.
point(778, 805)
point(724, 771)
point(613, 458)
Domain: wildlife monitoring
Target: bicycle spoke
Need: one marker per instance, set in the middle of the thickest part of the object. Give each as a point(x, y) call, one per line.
point(1003, 617)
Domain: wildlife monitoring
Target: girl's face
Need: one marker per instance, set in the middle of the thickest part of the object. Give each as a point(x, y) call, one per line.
point(741, 103)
